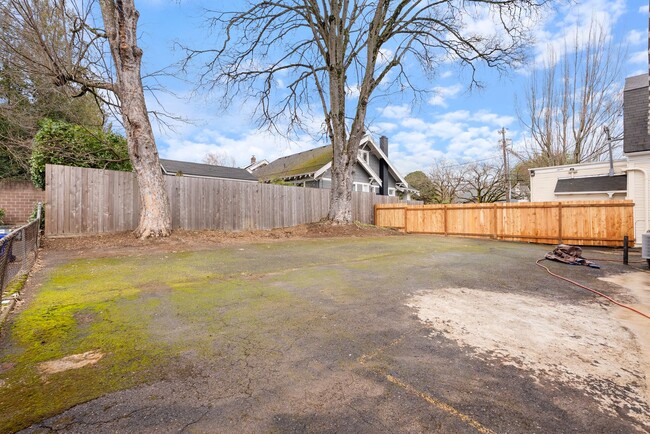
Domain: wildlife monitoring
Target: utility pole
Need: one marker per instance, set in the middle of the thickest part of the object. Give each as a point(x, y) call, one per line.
point(506, 169)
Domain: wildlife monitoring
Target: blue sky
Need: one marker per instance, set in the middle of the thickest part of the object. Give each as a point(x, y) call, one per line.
point(452, 124)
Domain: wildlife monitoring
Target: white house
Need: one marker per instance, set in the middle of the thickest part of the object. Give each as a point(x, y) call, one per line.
point(593, 181)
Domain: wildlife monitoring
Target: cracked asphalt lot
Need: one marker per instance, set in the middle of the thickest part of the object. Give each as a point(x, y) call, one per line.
point(327, 335)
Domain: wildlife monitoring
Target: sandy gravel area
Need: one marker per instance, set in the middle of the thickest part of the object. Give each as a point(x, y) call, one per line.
point(592, 347)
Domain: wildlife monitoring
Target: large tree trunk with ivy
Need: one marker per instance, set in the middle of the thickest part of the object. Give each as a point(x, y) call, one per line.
point(120, 21)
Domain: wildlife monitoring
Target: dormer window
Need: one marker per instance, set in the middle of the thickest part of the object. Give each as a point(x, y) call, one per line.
point(364, 156)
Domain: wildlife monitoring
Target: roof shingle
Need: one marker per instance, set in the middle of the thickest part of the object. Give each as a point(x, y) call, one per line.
point(592, 184)
point(302, 163)
point(172, 167)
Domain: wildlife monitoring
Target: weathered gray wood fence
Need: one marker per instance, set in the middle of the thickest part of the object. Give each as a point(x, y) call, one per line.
point(88, 201)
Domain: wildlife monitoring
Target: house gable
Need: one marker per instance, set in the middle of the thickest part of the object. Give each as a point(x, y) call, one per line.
point(380, 155)
point(313, 168)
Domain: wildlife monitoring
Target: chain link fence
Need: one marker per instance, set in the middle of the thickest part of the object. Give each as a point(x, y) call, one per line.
point(18, 251)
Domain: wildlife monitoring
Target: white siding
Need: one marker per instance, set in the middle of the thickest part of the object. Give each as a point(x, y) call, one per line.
point(542, 185)
point(637, 184)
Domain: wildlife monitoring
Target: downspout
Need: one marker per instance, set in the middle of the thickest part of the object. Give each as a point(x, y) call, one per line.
point(647, 195)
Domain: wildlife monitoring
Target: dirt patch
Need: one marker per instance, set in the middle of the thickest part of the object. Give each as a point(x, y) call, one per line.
point(75, 361)
point(583, 346)
point(638, 285)
point(181, 240)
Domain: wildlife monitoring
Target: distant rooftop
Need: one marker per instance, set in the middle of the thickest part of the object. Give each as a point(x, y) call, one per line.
point(173, 167)
point(302, 163)
point(636, 82)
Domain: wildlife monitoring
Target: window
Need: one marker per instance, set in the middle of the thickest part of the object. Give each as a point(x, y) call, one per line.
point(391, 192)
point(364, 156)
point(359, 186)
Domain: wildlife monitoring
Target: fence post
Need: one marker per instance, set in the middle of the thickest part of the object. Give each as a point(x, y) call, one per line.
point(39, 216)
point(406, 220)
point(559, 223)
point(5, 252)
point(444, 217)
point(494, 221)
point(24, 242)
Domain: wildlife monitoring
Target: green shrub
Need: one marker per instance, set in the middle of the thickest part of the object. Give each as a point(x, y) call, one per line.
point(59, 142)
point(2, 215)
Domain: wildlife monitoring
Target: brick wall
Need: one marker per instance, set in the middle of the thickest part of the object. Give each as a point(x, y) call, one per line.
point(18, 199)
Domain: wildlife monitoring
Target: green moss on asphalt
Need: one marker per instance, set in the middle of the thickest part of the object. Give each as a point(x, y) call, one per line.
point(122, 308)
point(16, 285)
point(144, 312)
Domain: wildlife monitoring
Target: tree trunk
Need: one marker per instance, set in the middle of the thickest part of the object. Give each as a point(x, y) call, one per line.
point(341, 192)
point(120, 20)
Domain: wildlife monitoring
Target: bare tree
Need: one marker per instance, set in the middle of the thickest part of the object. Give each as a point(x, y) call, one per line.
point(63, 42)
point(447, 181)
point(570, 100)
point(219, 159)
point(320, 49)
point(484, 183)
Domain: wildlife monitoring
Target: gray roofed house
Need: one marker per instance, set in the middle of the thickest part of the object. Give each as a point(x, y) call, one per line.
point(372, 173)
point(199, 170)
point(591, 181)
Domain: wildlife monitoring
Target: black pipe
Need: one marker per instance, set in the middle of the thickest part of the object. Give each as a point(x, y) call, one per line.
point(625, 249)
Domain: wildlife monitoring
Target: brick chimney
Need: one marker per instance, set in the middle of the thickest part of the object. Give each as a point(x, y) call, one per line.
point(383, 144)
point(253, 159)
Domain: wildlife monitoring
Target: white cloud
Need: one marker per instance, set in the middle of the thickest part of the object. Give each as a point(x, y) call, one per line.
point(384, 56)
point(643, 9)
point(635, 37)
point(442, 94)
point(446, 74)
point(383, 127)
point(493, 118)
point(395, 111)
point(262, 144)
point(639, 57)
point(352, 91)
point(457, 115)
point(459, 135)
point(560, 29)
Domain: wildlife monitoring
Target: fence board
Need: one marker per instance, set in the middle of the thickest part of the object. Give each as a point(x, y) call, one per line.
point(85, 201)
point(596, 223)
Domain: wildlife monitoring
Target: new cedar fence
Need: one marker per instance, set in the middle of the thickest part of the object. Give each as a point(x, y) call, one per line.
point(594, 223)
point(90, 201)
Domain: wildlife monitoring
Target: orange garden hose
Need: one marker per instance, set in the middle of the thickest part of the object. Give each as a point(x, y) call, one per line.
point(590, 289)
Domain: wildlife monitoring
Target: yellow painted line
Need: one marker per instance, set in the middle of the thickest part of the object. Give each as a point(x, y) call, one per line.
point(425, 396)
point(362, 360)
point(440, 405)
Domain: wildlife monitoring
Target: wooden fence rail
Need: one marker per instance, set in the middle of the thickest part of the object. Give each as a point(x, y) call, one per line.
point(87, 201)
point(595, 223)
